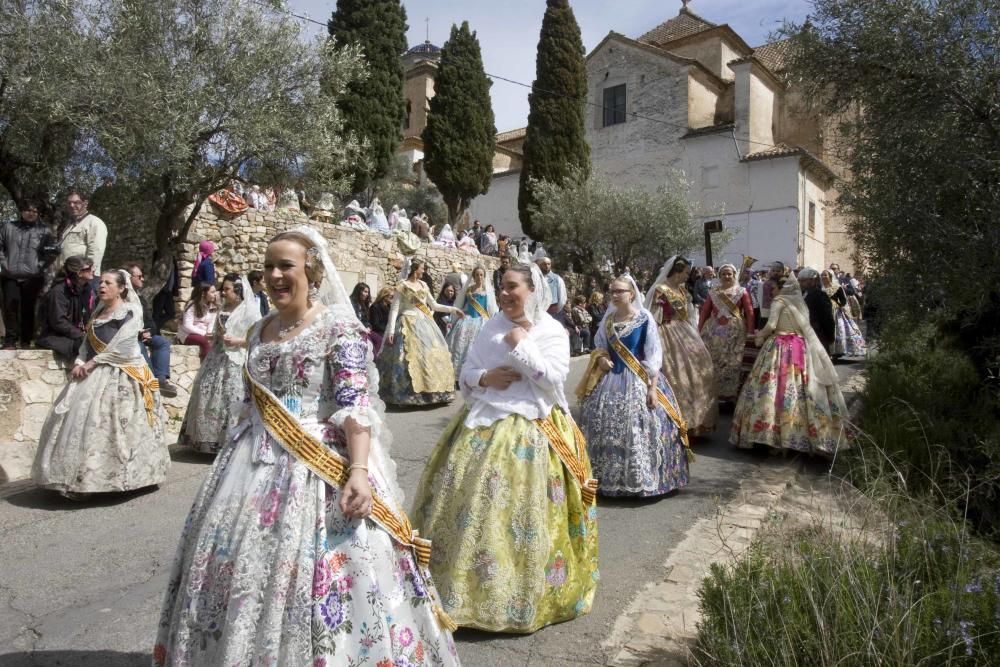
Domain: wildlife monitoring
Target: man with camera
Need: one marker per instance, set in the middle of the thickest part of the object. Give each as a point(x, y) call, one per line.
point(23, 246)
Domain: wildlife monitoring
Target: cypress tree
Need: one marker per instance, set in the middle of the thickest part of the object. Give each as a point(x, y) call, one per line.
point(374, 109)
point(460, 136)
point(555, 142)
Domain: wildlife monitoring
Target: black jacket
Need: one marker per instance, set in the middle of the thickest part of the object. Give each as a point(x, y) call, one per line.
point(66, 310)
point(820, 314)
point(147, 317)
point(21, 248)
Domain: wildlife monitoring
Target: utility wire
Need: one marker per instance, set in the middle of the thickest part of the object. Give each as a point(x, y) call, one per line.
point(532, 87)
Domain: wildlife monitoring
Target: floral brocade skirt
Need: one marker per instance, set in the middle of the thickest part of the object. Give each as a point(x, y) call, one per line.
point(848, 341)
point(688, 367)
point(416, 368)
point(725, 343)
point(269, 571)
point(635, 451)
point(216, 396)
point(515, 548)
point(777, 408)
point(100, 437)
point(460, 339)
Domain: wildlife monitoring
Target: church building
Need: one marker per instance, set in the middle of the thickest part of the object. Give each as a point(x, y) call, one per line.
point(693, 97)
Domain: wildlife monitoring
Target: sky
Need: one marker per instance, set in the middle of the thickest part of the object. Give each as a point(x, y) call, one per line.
point(508, 30)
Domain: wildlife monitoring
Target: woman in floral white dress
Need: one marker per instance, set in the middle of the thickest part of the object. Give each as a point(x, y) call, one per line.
point(219, 384)
point(105, 430)
point(297, 552)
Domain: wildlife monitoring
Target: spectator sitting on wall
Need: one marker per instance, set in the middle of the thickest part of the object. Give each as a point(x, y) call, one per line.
point(22, 273)
point(198, 321)
point(256, 279)
point(154, 347)
point(66, 309)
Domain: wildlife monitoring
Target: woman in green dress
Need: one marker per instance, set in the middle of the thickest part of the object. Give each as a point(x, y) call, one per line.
point(507, 496)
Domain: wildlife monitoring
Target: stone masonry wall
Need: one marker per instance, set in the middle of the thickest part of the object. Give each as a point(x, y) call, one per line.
point(360, 256)
point(30, 380)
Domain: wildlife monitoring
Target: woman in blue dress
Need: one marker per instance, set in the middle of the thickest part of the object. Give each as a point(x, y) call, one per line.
point(635, 432)
point(479, 304)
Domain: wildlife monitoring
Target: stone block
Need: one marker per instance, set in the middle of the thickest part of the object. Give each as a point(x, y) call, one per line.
point(33, 418)
point(36, 391)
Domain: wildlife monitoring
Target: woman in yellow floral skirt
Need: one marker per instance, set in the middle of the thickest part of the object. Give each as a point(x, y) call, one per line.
point(507, 496)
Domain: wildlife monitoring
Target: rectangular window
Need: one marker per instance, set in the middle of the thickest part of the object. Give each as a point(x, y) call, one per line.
point(614, 105)
point(812, 217)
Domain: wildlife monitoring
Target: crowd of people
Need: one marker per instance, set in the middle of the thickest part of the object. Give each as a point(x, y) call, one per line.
point(298, 549)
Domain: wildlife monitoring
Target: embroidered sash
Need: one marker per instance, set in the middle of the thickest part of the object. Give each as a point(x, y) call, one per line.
point(677, 300)
point(718, 296)
point(423, 308)
point(333, 469)
point(476, 306)
point(418, 301)
point(141, 374)
point(633, 365)
point(573, 462)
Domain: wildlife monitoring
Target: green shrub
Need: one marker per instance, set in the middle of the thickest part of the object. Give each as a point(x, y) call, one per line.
point(929, 595)
point(927, 407)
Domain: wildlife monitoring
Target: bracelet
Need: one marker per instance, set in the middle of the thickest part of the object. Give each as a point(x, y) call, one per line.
point(357, 466)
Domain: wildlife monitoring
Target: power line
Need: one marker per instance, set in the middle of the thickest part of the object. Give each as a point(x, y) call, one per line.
point(532, 87)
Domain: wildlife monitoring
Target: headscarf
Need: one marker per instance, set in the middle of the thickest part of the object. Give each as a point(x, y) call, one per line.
point(835, 285)
point(661, 278)
point(241, 320)
point(540, 299)
point(205, 250)
point(734, 293)
point(446, 235)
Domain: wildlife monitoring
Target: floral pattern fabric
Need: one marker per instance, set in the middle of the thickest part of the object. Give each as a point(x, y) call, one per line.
point(635, 451)
point(215, 399)
point(724, 334)
point(515, 548)
point(106, 439)
point(776, 407)
point(269, 571)
point(465, 331)
point(848, 341)
point(416, 368)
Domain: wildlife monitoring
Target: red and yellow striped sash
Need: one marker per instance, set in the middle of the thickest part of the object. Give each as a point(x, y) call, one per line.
point(573, 462)
point(141, 374)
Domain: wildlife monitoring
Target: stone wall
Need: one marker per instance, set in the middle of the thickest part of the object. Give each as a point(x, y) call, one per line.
point(30, 380)
point(360, 256)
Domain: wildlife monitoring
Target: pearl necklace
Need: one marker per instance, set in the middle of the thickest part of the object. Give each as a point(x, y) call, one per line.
point(284, 331)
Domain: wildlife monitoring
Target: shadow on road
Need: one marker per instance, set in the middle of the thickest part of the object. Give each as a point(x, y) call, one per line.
point(180, 454)
point(76, 659)
point(45, 499)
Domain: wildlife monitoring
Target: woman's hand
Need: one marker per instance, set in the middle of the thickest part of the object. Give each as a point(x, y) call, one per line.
point(605, 364)
point(651, 396)
point(515, 336)
point(233, 341)
point(83, 370)
point(500, 377)
point(391, 339)
point(459, 313)
point(356, 496)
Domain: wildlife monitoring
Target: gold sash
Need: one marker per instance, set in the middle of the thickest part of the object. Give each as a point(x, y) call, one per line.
point(424, 309)
point(734, 308)
point(471, 300)
point(334, 470)
point(140, 374)
point(637, 368)
point(592, 375)
point(676, 297)
point(573, 462)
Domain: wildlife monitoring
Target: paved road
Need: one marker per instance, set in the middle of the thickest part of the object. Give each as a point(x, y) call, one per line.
point(81, 584)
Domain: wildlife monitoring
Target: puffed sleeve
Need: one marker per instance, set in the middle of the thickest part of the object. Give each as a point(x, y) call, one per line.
point(346, 391)
point(543, 360)
point(653, 350)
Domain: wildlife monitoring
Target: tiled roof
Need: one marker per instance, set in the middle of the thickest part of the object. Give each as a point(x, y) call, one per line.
point(781, 150)
point(511, 135)
point(685, 24)
point(773, 56)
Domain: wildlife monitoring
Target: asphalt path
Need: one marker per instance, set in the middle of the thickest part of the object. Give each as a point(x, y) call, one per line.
point(82, 583)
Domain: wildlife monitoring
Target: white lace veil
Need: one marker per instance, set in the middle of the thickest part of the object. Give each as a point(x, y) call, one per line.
point(823, 371)
point(661, 278)
point(653, 351)
point(540, 299)
point(491, 297)
point(333, 295)
point(636, 301)
point(243, 317)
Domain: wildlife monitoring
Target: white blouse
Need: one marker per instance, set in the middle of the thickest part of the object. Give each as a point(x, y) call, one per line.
point(542, 358)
